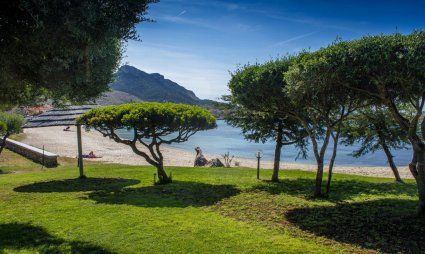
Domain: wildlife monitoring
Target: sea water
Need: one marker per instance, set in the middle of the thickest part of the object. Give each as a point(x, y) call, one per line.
point(226, 138)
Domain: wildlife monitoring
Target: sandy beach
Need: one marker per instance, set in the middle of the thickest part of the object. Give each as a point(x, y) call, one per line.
point(64, 143)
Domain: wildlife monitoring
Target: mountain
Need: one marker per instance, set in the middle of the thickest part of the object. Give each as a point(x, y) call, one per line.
point(114, 97)
point(150, 87)
point(133, 85)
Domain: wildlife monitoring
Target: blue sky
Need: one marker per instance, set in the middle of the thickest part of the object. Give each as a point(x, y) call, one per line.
point(196, 43)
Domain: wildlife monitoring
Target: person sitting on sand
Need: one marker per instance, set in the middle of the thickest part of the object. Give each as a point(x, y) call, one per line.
point(91, 155)
point(67, 128)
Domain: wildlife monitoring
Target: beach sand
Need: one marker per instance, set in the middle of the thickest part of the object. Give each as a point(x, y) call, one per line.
point(64, 143)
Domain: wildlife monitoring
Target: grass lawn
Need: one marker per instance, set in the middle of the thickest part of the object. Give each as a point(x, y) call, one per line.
point(118, 210)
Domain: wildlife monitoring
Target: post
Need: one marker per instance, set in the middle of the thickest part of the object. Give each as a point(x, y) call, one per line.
point(258, 164)
point(80, 152)
point(42, 159)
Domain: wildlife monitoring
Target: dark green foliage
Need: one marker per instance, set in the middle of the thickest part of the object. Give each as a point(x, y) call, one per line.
point(259, 87)
point(65, 50)
point(3, 127)
point(382, 66)
point(10, 123)
point(153, 124)
point(148, 117)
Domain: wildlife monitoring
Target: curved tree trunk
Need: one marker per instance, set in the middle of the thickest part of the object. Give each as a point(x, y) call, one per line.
point(332, 162)
point(320, 157)
point(162, 175)
point(420, 179)
point(277, 152)
point(417, 168)
point(412, 166)
point(391, 161)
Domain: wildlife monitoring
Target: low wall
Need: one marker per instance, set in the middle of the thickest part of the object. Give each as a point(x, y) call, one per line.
point(38, 155)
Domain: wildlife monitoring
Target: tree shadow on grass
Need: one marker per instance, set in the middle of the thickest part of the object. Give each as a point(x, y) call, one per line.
point(176, 194)
point(20, 237)
point(76, 185)
point(387, 225)
point(340, 189)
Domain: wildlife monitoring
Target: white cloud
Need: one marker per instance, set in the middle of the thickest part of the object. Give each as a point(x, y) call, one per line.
point(284, 42)
point(188, 21)
point(230, 26)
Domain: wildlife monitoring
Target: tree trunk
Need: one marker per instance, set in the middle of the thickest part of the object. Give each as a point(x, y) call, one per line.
point(87, 63)
point(319, 178)
point(420, 178)
point(320, 156)
point(412, 166)
point(162, 175)
point(3, 143)
point(332, 162)
point(278, 149)
point(391, 161)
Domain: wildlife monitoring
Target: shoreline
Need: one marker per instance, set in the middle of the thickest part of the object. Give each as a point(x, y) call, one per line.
point(64, 143)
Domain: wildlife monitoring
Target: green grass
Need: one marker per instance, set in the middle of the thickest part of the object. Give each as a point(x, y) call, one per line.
point(117, 209)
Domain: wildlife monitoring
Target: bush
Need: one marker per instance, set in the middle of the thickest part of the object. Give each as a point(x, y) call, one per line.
point(3, 127)
point(10, 123)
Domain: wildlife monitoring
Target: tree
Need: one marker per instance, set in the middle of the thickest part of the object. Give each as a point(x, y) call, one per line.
point(260, 127)
point(375, 130)
point(388, 70)
point(153, 124)
point(257, 93)
point(320, 104)
point(9, 124)
point(65, 50)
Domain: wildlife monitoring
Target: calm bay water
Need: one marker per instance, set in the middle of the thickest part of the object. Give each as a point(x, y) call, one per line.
point(226, 138)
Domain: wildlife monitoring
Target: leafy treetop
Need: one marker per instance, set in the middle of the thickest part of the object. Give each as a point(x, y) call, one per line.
point(150, 118)
point(259, 86)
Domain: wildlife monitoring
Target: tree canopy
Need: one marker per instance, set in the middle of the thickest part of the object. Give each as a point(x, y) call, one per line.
point(65, 50)
point(153, 124)
point(255, 106)
point(259, 86)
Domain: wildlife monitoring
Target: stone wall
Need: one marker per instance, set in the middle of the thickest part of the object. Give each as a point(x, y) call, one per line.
point(38, 155)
